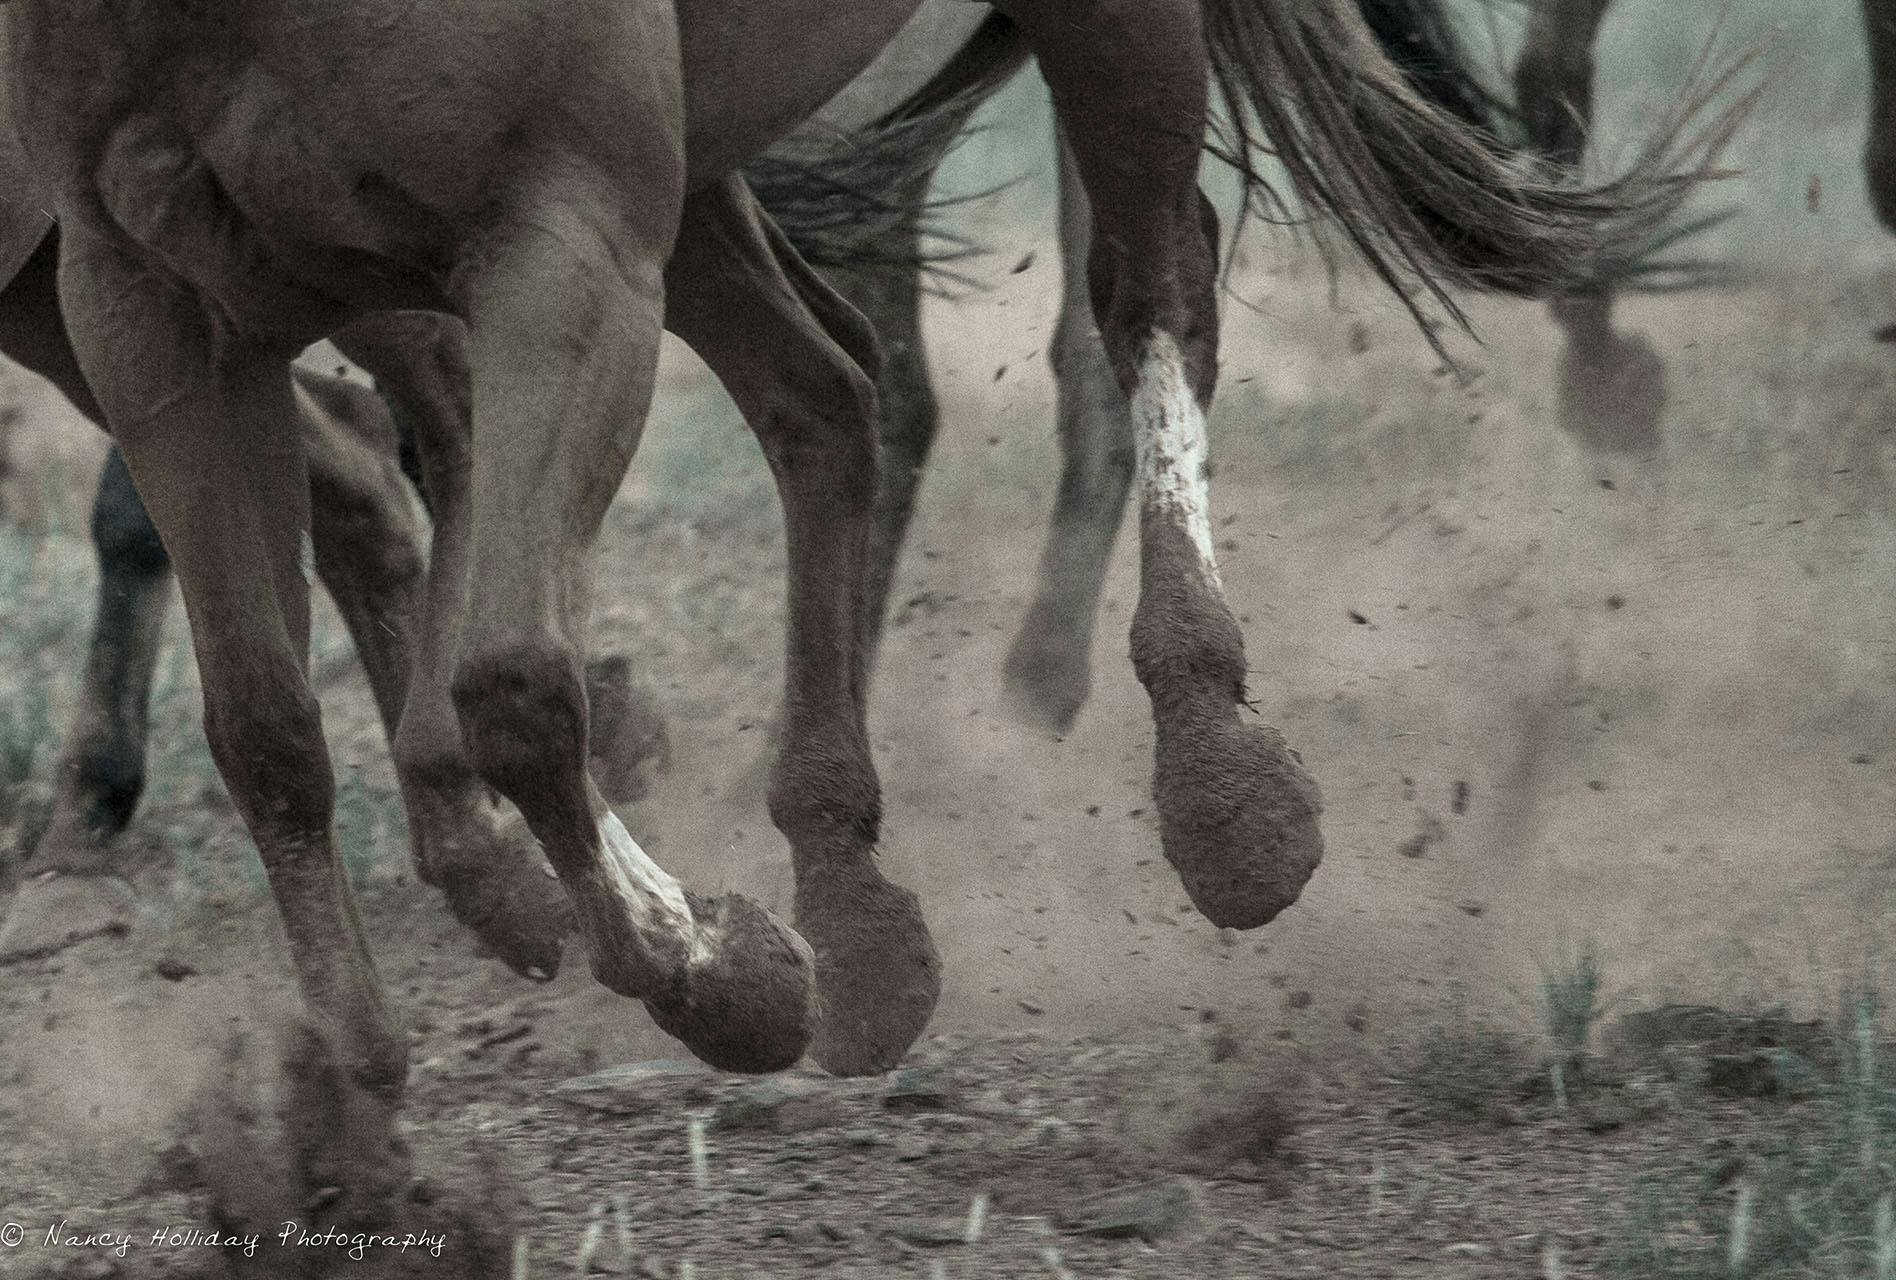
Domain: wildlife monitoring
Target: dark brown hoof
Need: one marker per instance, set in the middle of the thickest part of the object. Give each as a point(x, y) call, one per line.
point(512, 902)
point(1612, 393)
point(747, 1002)
point(878, 974)
point(54, 912)
point(1048, 675)
point(1238, 820)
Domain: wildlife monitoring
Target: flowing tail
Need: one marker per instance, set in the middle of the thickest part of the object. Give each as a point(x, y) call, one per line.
point(860, 200)
point(1416, 175)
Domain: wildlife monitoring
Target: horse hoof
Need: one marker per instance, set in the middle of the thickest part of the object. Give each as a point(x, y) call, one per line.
point(1047, 677)
point(1613, 394)
point(1238, 820)
point(746, 1001)
point(878, 974)
point(52, 913)
point(514, 904)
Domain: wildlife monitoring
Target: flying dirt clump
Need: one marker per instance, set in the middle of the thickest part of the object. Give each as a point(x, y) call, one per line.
point(306, 1144)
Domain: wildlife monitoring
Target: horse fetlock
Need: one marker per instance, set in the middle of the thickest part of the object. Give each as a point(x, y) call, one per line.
point(825, 799)
point(1186, 646)
point(522, 713)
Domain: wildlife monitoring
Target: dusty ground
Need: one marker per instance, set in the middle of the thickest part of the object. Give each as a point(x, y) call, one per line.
point(1665, 677)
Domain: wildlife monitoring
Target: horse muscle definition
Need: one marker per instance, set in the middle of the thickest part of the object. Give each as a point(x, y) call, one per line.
point(856, 210)
point(235, 181)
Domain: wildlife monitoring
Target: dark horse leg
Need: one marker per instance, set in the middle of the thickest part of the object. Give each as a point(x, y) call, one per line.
point(1612, 385)
point(797, 360)
point(1238, 815)
point(367, 554)
point(1879, 153)
point(366, 550)
point(1049, 670)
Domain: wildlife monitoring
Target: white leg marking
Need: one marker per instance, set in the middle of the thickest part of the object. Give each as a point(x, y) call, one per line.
point(1169, 435)
point(650, 896)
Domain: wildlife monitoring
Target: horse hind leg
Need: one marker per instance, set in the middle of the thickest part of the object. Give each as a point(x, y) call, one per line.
point(792, 354)
point(1048, 673)
point(1611, 385)
point(1238, 814)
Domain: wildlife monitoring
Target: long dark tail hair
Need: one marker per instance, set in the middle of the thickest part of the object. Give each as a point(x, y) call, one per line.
point(860, 200)
point(1396, 144)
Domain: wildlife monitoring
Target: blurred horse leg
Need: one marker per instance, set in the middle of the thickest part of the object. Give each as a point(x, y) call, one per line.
point(1049, 670)
point(1612, 386)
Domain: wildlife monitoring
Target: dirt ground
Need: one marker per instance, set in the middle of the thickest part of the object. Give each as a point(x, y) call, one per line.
point(1661, 679)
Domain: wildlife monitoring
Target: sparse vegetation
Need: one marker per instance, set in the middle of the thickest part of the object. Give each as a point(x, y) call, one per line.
point(43, 615)
point(1467, 1067)
point(1803, 1191)
point(1573, 1000)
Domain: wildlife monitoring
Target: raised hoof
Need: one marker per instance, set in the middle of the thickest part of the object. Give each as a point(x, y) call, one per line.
point(878, 974)
point(1238, 820)
point(747, 998)
point(1612, 393)
point(1046, 680)
point(54, 912)
point(513, 903)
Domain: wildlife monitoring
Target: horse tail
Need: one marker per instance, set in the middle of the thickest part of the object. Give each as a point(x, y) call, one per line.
point(860, 200)
point(1420, 38)
point(1414, 172)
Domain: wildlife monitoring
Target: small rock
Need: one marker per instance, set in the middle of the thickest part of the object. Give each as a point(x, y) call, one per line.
point(1150, 1211)
point(922, 1088)
point(1299, 1000)
point(927, 1233)
point(909, 1147)
point(1029, 1007)
point(775, 1106)
point(1472, 907)
point(1458, 798)
point(808, 1235)
point(634, 1089)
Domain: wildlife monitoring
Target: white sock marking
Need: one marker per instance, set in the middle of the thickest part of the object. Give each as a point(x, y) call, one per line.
point(649, 894)
point(1169, 434)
